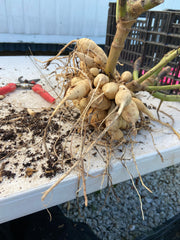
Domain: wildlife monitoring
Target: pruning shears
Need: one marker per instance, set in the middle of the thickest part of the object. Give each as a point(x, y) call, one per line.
point(27, 84)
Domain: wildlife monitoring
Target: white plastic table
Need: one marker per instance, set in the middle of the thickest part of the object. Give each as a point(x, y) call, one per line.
point(27, 201)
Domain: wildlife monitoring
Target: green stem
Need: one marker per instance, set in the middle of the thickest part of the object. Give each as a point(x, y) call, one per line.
point(136, 68)
point(164, 61)
point(166, 87)
point(135, 86)
point(121, 9)
point(135, 75)
point(150, 81)
point(117, 11)
point(165, 97)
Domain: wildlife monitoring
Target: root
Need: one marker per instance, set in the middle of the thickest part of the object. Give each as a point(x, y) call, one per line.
point(162, 159)
point(134, 159)
point(131, 177)
point(177, 109)
point(84, 183)
point(115, 109)
point(169, 126)
point(168, 116)
point(82, 164)
point(59, 53)
point(159, 109)
point(59, 180)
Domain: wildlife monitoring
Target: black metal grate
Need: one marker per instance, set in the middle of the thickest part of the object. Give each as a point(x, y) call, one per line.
point(154, 34)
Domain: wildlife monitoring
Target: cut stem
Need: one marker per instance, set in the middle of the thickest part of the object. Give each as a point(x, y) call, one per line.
point(137, 65)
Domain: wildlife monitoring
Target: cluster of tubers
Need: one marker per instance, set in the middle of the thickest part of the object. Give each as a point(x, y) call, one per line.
point(104, 101)
point(107, 102)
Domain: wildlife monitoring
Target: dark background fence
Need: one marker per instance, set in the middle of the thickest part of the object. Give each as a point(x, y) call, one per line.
point(154, 34)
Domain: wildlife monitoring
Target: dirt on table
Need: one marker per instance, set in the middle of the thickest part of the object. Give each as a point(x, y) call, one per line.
point(21, 137)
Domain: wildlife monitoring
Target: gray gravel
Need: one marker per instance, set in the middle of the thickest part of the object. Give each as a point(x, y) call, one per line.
point(122, 219)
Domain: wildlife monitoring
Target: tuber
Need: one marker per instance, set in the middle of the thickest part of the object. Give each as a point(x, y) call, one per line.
point(126, 76)
point(110, 89)
point(100, 80)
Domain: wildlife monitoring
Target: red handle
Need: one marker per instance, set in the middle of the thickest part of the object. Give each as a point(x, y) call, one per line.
point(38, 89)
point(8, 88)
